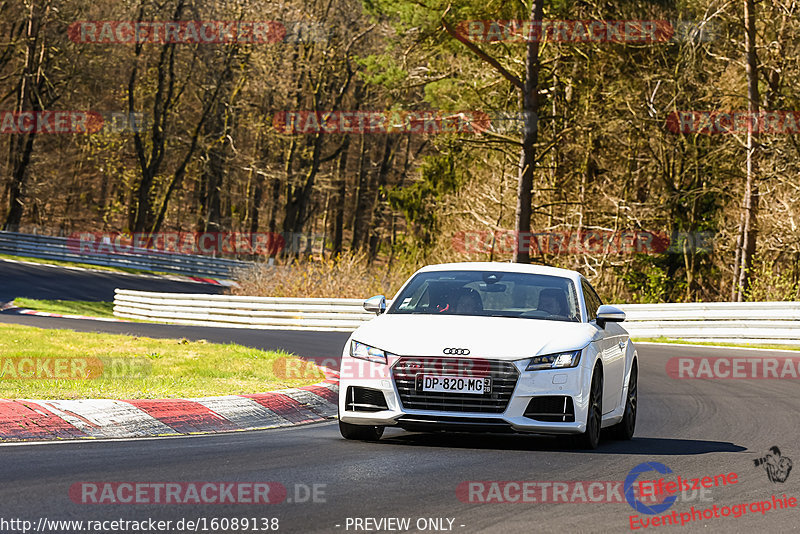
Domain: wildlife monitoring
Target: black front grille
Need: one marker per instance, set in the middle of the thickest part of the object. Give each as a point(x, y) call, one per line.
point(365, 400)
point(503, 374)
point(551, 409)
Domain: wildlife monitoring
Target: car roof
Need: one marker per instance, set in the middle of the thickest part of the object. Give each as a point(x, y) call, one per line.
point(504, 267)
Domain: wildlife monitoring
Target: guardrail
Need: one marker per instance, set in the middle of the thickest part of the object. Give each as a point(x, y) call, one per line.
point(751, 322)
point(57, 248)
point(242, 312)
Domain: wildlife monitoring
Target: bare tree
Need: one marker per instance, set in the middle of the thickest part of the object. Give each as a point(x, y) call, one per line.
point(746, 243)
point(529, 105)
point(30, 96)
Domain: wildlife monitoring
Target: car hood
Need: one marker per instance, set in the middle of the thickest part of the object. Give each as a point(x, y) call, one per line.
point(502, 338)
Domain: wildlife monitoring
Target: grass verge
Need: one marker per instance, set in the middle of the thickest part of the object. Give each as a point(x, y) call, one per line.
point(124, 367)
point(716, 344)
point(68, 307)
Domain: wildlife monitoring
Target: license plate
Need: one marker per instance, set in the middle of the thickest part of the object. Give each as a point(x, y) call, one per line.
point(454, 384)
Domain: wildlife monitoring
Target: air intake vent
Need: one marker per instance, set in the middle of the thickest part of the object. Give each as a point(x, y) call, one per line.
point(551, 409)
point(365, 400)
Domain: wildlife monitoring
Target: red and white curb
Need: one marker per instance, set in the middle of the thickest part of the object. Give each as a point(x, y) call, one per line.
point(212, 281)
point(25, 311)
point(22, 420)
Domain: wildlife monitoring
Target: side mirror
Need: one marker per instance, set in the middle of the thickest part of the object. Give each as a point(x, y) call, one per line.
point(609, 314)
point(377, 304)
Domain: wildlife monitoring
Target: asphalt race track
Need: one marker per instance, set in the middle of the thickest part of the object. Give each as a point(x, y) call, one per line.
point(695, 427)
point(57, 283)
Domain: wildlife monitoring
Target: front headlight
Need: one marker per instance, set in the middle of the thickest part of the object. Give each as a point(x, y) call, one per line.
point(561, 360)
point(365, 352)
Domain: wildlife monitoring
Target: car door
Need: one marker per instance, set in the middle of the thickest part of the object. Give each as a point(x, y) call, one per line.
point(612, 352)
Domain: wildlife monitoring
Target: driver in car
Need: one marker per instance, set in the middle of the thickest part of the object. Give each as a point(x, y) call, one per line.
point(462, 301)
point(469, 302)
point(551, 300)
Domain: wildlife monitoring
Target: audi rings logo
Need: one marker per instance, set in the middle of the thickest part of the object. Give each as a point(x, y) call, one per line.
point(456, 352)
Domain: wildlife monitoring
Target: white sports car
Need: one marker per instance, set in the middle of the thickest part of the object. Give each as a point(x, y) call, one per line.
point(490, 347)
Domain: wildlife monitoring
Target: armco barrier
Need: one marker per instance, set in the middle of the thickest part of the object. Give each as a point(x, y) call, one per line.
point(751, 322)
point(242, 312)
point(56, 248)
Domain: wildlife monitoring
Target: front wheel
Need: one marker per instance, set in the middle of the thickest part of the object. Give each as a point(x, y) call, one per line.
point(590, 438)
point(360, 432)
point(624, 429)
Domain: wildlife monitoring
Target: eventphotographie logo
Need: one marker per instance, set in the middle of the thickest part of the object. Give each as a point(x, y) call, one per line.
point(631, 481)
point(777, 466)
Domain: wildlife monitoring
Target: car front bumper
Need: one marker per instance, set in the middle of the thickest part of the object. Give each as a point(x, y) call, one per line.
point(547, 387)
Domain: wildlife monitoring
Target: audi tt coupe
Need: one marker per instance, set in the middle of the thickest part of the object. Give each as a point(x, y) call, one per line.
point(490, 347)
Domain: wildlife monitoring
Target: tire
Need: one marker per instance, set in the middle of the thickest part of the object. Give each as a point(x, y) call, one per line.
point(624, 429)
point(360, 432)
point(590, 438)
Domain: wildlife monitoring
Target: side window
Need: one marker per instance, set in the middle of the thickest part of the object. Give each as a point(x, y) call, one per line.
point(595, 295)
point(591, 299)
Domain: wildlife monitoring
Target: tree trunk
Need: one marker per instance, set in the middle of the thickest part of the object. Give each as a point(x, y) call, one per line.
point(747, 228)
point(299, 197)
point(530, 109)
point(28, 99)
point(375, 209)
point(258, 196)
point(361, 194)
point(213, 171)
point(339, 199)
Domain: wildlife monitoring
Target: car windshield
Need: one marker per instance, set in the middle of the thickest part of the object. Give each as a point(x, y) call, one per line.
point(489, 294)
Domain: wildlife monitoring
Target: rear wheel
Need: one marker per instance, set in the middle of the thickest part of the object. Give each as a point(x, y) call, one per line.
point(360, 432)
point(624, 429)
point(590, 438)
